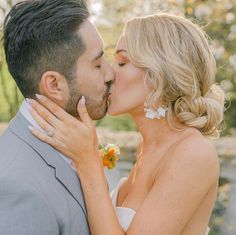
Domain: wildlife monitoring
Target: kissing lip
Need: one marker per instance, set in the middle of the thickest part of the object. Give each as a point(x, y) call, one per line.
point(107, 94)
point(107, 97)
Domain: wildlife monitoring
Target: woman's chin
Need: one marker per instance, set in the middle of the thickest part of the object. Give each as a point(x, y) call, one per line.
point(115, 108)
point(113, 111)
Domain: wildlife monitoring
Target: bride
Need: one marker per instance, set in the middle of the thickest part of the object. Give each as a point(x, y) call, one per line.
point(165, 75)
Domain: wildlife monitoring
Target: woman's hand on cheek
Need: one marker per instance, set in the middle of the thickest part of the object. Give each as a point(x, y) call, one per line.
point(75, 139)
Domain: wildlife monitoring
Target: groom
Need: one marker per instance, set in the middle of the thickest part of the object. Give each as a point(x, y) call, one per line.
point(51, 48)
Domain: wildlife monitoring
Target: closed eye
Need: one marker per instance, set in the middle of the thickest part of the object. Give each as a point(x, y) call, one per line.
point(121, 64)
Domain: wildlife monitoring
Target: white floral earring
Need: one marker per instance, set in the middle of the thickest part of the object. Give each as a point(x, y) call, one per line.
point(158, 114)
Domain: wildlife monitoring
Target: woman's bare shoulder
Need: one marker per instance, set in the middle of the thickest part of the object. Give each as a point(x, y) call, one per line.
point(198, 153)
point(196, 145)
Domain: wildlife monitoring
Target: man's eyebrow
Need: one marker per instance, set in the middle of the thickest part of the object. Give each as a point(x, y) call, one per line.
point(98, 56)
point(119, 51)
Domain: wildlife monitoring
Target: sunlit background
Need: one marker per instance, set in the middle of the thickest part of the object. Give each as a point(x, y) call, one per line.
point(218, 18)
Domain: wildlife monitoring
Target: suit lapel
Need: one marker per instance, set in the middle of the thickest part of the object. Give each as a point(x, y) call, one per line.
point(63, 172)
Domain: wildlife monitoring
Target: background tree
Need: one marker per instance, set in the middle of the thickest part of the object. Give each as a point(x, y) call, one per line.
point(10, 96)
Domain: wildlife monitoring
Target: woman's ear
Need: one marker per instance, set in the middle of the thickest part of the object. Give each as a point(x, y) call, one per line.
point(54, 86)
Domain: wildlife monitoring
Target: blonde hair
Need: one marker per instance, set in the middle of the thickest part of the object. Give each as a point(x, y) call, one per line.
point(181, 69)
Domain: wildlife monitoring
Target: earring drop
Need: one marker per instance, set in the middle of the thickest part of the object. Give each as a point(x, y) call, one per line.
point(158, 114)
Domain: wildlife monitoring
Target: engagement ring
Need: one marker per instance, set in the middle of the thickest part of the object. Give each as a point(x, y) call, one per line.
point(51, 132)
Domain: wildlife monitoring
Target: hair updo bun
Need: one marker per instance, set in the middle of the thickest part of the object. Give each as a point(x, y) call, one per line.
point(204, 113)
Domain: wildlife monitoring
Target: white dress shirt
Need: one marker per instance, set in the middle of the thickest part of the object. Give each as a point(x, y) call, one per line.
point(24, 109)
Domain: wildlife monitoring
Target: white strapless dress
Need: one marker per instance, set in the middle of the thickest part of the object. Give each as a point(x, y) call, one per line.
point(125, 215)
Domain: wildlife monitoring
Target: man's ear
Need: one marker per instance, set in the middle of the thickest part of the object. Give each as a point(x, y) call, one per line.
point(54, 86)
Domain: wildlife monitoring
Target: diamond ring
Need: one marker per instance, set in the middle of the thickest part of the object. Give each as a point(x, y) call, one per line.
point(51, 132)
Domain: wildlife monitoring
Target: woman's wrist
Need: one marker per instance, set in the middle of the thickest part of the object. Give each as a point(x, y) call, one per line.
point(91, 163)
point(91, 175)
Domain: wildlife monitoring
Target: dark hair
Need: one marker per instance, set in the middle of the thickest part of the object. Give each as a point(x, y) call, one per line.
point(42, 35)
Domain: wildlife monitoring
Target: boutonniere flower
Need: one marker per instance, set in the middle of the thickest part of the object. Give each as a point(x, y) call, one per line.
point(109, 154)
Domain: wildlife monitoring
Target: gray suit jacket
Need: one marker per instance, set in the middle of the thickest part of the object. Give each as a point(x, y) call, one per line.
point(40, 194)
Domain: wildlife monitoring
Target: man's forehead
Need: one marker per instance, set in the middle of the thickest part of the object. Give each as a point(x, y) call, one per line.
point(89, 33)
point(91, 38)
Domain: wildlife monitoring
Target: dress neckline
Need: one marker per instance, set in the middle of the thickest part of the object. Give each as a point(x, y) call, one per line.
point(121, 209)
point(114, 196)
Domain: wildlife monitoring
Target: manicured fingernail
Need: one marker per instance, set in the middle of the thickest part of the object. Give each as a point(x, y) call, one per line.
point(30, 127)
point(38, 96)
point(29, 101)
point(82, 100)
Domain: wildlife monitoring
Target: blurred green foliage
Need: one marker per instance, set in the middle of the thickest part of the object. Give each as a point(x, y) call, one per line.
point(121, 123)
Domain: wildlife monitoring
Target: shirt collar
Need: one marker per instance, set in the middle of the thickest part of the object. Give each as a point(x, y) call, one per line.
point(24, 109)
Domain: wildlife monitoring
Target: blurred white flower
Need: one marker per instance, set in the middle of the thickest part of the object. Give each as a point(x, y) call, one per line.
point(232, 34)
point(96, 8)
point(180, 2)
point(218, 50)
point(228, 6)
point(203, 11)
point(232, 61)
point(230, 18)
point(233, 28)
point(226, 85)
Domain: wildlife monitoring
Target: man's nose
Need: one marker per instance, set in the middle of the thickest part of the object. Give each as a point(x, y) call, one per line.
point(110, 74)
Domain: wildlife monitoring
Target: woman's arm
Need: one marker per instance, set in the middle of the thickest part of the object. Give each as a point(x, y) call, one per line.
point(101, 213)
point(174, 197)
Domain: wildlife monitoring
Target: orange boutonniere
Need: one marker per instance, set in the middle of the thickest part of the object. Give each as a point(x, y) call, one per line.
point(109, 154)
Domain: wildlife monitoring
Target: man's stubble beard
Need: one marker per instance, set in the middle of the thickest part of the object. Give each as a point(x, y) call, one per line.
point(96, 110)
